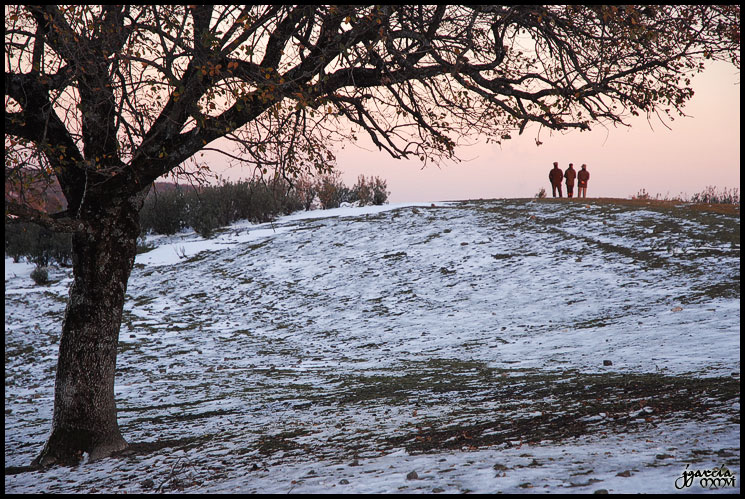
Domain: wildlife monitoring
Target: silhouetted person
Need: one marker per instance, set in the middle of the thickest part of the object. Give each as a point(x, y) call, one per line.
point(570, 175)
point(582, 177)
point(555, 177)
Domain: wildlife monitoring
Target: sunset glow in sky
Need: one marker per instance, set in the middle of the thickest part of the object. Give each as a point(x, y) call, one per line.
point(701, 150)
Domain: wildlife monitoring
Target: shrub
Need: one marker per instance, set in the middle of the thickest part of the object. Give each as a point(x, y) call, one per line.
point(363, 191)
point(642, 194)
point(380, 191)
point(305, 190)
point(40, 275)
point(207, 208)
point(331, 190)
point(261, 201)
point(164, 212)
point(258, 200)
point(17, 241)
point(202, 214)
point(367, 191)
point(289, 198)
point(39, 244)
point(712, 195)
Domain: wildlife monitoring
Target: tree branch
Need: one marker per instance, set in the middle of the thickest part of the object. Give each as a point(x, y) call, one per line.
point(60, 222)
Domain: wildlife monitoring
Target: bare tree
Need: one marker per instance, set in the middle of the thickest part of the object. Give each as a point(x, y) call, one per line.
point(106, 99)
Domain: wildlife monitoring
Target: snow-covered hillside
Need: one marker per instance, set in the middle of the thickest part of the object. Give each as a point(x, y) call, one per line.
point(482, 346)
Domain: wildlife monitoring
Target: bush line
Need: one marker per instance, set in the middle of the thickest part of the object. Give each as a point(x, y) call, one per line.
point(168, 210)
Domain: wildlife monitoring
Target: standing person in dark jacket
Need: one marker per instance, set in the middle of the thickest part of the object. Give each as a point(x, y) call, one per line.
point(555, 177)
point(570, 175)
point(582, 177)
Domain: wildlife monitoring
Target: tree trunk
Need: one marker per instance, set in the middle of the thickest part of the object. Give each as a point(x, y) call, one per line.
point(84, 417)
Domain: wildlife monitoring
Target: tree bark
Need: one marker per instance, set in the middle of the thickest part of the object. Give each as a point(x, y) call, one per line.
point(84, 419)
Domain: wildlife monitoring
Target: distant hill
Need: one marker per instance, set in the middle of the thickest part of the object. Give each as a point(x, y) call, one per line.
point(42, 194)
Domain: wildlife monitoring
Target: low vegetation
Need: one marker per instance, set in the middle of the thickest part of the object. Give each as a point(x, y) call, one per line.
point(39, 245)
point(710, 195)
point(171, 208)
point(40, 275)
point(208, 208)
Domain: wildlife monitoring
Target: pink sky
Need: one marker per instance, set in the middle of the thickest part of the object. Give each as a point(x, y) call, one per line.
point(700, 150)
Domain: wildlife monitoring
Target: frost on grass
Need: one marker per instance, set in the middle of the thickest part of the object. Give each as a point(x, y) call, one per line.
point(470, 347)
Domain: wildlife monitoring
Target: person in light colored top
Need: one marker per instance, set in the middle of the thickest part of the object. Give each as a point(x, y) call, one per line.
point(582, 177)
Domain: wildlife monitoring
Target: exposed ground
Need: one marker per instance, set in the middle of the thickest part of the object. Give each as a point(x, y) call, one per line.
point(682, 207)
point(485, 346)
